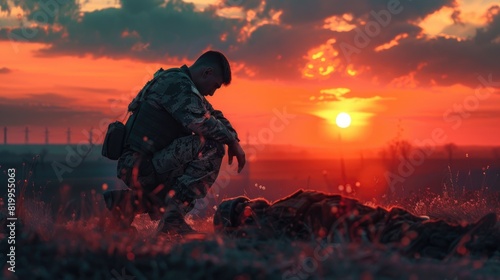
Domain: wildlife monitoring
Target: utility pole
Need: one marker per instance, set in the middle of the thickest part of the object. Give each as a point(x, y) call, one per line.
point(46, 135)
point(26, 135)
point(90, 136)
point(68, 134)
point(5, 135)
point(342, 163)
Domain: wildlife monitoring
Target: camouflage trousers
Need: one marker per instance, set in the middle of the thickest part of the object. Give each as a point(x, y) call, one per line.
point(185, 170)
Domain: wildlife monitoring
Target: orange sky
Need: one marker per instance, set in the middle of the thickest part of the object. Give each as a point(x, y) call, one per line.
point(62, 87)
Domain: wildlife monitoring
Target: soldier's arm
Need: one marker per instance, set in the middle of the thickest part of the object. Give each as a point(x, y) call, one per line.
point(187, 107)
point(234, 149)
point(219, 116)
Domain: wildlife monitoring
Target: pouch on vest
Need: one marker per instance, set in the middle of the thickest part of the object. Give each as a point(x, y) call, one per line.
point(112, 147)
point(118, 133)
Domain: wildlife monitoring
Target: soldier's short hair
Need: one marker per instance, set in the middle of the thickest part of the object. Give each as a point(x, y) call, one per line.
point(218, 60)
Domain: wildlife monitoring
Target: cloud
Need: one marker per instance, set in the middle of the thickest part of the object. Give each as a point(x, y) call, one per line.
point(39, 99)
point(143, 30)
point(89, 89)
point(245, 4)
point(133, 6)
point(274, 37)
point(5, 70)
point(277, 51)
point(316, 11)
point(485, 115)
point(4, 6)
point(420, 60)
point(274, 51)
point(433, 61)
point(491, 33)
point(46, 109)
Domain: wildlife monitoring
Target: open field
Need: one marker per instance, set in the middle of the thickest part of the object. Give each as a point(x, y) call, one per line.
point(61, 232)
point(81, 249)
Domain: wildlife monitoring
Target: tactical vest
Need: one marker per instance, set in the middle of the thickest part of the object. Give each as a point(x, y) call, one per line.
point(150, 128)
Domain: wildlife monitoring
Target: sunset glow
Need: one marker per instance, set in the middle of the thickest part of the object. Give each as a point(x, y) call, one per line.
point(312, 67)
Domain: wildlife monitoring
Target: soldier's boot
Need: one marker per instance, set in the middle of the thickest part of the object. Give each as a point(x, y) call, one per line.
point(121, 205)
point(173, 221)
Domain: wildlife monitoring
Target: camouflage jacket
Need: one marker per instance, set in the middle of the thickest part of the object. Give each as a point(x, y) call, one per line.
point(175, 92)
point(171, 107)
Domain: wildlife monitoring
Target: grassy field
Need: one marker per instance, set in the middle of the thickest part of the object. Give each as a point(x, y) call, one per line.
point(52, 247)
point(62, 233)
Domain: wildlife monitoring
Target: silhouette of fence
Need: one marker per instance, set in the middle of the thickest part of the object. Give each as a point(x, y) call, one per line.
point(28, 132)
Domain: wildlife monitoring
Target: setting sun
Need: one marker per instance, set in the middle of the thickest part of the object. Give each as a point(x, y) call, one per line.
point(343, 120)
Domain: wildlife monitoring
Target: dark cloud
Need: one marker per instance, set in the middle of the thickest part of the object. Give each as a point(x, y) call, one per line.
point(143, 30)
point(438, 61)
point(277, 51)
point(490, 33)
point(45, 109)
point(456, 16)
point(134, 6)
point(30, 35)
point(89, 89)
point(274, 51)
point(4, 6)
point(363, 40)
point(152, 30)
point(39, 99)
point(299, 11)
point(245, 4)
point(456, 118)
point(5, 70)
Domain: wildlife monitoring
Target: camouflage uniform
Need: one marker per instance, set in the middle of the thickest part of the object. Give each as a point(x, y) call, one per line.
point(308, 215)
point(189, 163)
